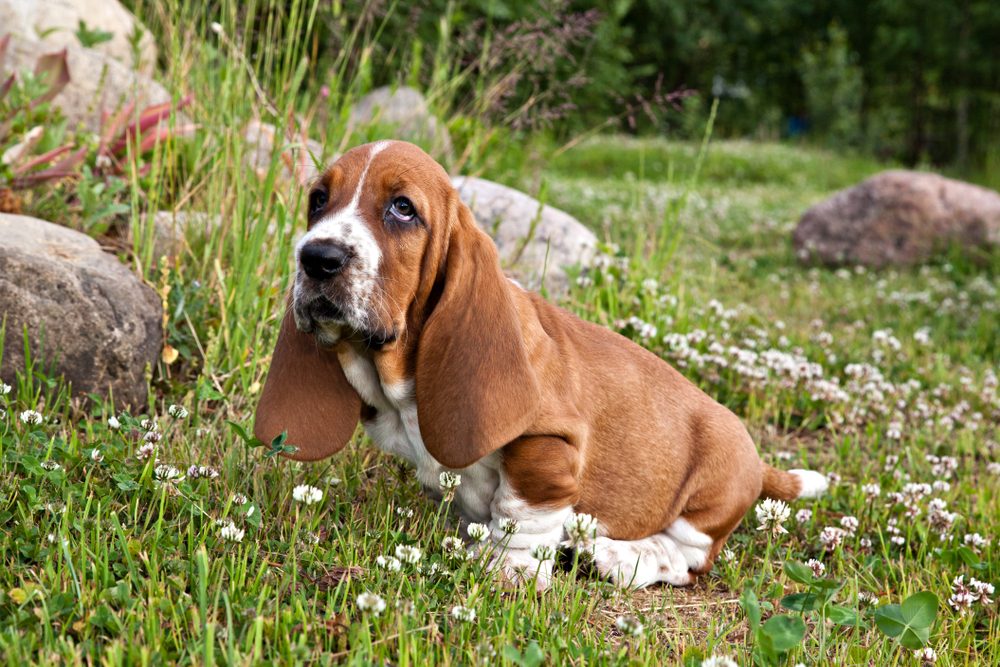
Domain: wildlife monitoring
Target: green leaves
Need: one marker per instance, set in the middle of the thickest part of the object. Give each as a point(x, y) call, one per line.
point(783, 632)
point(276, 447)
point(910, 622)
point(776, 635)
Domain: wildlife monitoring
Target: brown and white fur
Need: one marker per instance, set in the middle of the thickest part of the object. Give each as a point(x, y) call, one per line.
point(413, 329)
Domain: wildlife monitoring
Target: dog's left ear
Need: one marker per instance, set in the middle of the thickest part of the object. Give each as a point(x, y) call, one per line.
point(307, 395)
point(476, 389)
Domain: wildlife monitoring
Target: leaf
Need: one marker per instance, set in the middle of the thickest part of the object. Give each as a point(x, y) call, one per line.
point(842, 615)
point(54, 66)
point(784, 631)
point(799, 573)
point(889, 620)
point(920, 610)
point(911, 621)
point(802, 602)
point(751, 607)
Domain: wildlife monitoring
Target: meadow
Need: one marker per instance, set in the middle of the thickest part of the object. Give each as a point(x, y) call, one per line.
point(166, 535)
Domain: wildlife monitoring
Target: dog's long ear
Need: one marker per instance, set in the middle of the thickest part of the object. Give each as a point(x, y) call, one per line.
point(476, 390)
point(307, 395)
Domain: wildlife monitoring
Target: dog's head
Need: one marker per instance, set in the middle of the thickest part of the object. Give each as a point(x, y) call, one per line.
point(392, 263)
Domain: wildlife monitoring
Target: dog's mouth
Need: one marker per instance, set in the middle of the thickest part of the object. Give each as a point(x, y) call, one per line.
point(329, 323)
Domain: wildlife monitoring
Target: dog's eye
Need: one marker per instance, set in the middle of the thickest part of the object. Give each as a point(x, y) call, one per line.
point(317, 200)
point(402, 209)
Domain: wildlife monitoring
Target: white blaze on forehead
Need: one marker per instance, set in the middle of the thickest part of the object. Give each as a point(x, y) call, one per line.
point(348, 228)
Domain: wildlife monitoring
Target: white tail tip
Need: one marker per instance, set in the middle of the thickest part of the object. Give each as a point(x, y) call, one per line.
point(814, 484)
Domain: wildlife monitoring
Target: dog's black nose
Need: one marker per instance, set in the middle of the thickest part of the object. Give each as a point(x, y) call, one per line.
point(323, 261)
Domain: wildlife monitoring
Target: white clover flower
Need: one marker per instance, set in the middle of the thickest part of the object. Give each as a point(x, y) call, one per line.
point(771, 514)
point(51, 465)
point(993, 468)
point(816, 566)
point(926, 656)
point(508, 525)
point(202, 472)
point(580, 529)
point(865, 543)
point(113, 423)
point(449, 481)
point(146, 451)
point(871, 490)
point(803, 516)
point(408, 553)
point(333, 481)
point(404, 512)
point(167, 473)
point(308, 495)
point(719, 661)
point(453, 547)
point(390, 563)
point(849, 524)
point(464, 614)
point(152, 436)
point(867, 598)
point(4, 388)
point(177, 411)
point(629, 626)
point(831, 537)
point(31, 417)
point(543, 552)
point(975, 541)
point(148, 424)
point(898, 540)
point(478, 532)
point(371, 603)
point(96, 456)
point(229, 531)
point(240, 499)
point(216, 27)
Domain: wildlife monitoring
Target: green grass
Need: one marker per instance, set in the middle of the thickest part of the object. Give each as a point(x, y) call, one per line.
point(106, 561)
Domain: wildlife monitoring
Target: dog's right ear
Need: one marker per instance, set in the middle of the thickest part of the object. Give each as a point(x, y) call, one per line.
point(307, 395)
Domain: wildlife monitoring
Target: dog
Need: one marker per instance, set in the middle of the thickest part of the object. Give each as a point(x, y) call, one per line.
point(401, 318)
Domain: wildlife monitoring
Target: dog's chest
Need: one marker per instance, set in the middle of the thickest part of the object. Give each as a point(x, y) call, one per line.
point(396, 430)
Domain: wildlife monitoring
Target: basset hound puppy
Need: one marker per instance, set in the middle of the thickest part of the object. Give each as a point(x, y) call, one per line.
point(401, 317)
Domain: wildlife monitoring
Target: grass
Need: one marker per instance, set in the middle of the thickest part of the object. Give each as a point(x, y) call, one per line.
point(112, 556)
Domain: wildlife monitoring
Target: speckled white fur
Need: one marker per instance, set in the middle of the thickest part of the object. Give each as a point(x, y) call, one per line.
point(666, 556)
point(349, 229)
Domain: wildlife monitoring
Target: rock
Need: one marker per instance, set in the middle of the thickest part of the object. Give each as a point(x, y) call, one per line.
point(87, 315)
point(171, 230)
point(54, 23)
point(898, 218)
point(532, 243)
point(405, 112)
point(98, 82)
point(298, 165)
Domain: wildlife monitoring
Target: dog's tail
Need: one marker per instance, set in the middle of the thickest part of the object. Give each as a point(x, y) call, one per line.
point(792, 484)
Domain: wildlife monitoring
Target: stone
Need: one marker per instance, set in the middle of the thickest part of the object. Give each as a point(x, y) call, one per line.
point(171, 230)
point(898, 218)
point(534, 241)
point(404, 112)
point(89, 319)
point(297, 165)
point(97, 82)
point(54, 23)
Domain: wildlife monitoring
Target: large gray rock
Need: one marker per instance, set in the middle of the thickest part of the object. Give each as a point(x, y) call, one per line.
point(405, 111)
point(86, 314)
point(898, 218)
point(54, 23)
point(97, 82)
point(300, 157)
point(533, 240)
point(171, 229)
